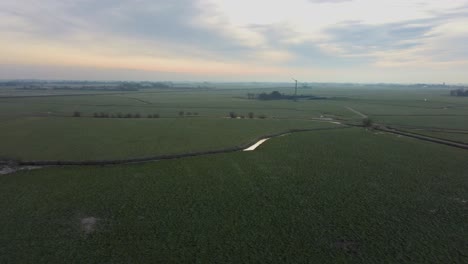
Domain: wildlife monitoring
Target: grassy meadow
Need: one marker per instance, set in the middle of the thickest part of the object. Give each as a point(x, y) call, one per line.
point(351, 195)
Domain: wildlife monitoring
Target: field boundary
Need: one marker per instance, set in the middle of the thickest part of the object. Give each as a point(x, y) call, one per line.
point(423, 137)
point(158, 157)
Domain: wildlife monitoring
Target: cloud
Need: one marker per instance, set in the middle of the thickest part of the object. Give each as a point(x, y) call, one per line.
point(427, 42)
point(356, 37)
point(163, 22)
point(220, 37)
point(303, 50)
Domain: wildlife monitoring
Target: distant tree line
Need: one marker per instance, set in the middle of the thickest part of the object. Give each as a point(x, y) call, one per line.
point(9, 83)
point(85, 85)
point(183, 113)
point(134, 115)
point(94, 88)
point(459, 92)
point(30, 87)
point(121, 115)
point(116, 115)
point(275, 95)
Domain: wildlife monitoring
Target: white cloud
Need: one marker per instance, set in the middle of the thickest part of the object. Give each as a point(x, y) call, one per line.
point(306, 36)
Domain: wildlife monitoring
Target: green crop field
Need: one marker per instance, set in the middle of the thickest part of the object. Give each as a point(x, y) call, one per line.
point(60, 138)
point(324, 197)
point(347, 195)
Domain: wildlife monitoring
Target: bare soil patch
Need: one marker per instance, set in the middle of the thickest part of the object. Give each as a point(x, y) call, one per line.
point(88, 225)
point(7, 169)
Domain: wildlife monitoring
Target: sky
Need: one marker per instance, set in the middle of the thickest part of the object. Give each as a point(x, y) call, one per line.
point(397, 41)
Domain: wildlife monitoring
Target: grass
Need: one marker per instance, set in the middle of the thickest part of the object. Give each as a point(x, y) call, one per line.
point(316, 197)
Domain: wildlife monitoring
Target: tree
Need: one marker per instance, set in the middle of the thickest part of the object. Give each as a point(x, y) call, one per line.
point(181, 113)
point(251, 115)
point(275, 95)
point(76, 114)
point(156, 116)
point(262, 116)
point(232, 115)
point(367, 122)
point(137, 115)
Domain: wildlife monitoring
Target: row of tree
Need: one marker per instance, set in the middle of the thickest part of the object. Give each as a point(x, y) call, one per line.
point(249, 115)
point(130, 115)
point(120, 115)
point(183, 113)
point(117, 115)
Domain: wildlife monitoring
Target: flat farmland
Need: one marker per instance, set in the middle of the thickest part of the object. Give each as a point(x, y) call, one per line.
point(345, 195)
point(342, 196)
point(216, 103)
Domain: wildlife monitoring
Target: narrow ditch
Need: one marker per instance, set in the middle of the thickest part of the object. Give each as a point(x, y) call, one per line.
point(18, 164)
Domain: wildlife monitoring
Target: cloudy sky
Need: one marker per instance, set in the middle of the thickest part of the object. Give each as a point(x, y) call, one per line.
point(236, 40)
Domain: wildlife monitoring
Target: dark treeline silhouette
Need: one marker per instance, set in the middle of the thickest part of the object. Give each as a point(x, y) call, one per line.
point(85, 85)
point(120, 115)
point(275, 95)
point(249, 115)
point(31, 88)
point(459, 92)
point(183, 113)
point(94, 88)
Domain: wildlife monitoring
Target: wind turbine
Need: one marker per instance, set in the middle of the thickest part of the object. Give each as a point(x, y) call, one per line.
point(295, 90)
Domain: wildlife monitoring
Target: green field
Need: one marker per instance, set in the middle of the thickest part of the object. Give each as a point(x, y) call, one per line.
point(351, 195)
point(323, 197)
point(458, 136)
point(60, 138)
point(392, 106)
